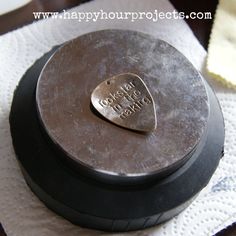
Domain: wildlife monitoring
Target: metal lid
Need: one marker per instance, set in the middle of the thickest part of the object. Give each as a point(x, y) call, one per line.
point(96, 145)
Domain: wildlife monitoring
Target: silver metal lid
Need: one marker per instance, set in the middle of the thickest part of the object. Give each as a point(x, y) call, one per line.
point(63, 100)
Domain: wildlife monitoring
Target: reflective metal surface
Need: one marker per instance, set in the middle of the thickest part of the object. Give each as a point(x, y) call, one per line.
point(126, 101)
point(64, 104)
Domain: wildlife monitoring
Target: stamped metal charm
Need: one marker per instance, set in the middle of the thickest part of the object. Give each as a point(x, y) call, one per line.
point(126, 101)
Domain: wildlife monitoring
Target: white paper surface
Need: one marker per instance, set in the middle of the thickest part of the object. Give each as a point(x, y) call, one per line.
point(21, 213)
point(11, 5)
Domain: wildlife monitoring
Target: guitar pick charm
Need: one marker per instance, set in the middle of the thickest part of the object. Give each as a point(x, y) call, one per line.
point(126, 101)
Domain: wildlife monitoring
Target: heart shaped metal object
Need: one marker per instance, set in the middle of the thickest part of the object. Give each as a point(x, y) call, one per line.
point(126, 101)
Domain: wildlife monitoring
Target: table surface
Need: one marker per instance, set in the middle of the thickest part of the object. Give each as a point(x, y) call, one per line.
point(201, 29)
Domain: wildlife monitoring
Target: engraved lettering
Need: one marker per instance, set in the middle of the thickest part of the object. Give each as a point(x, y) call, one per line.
point(103, 103)
point(147, 100)
point(125, 100)
point(128, 87)
point(117, 108)
point(126, 94)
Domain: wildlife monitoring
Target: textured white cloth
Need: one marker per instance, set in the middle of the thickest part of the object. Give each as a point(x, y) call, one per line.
point(21, 213)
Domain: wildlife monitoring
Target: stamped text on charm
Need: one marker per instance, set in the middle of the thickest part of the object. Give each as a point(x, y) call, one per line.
point(126, 101)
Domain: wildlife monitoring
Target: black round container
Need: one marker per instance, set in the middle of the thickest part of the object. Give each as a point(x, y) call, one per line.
point(100, 175)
